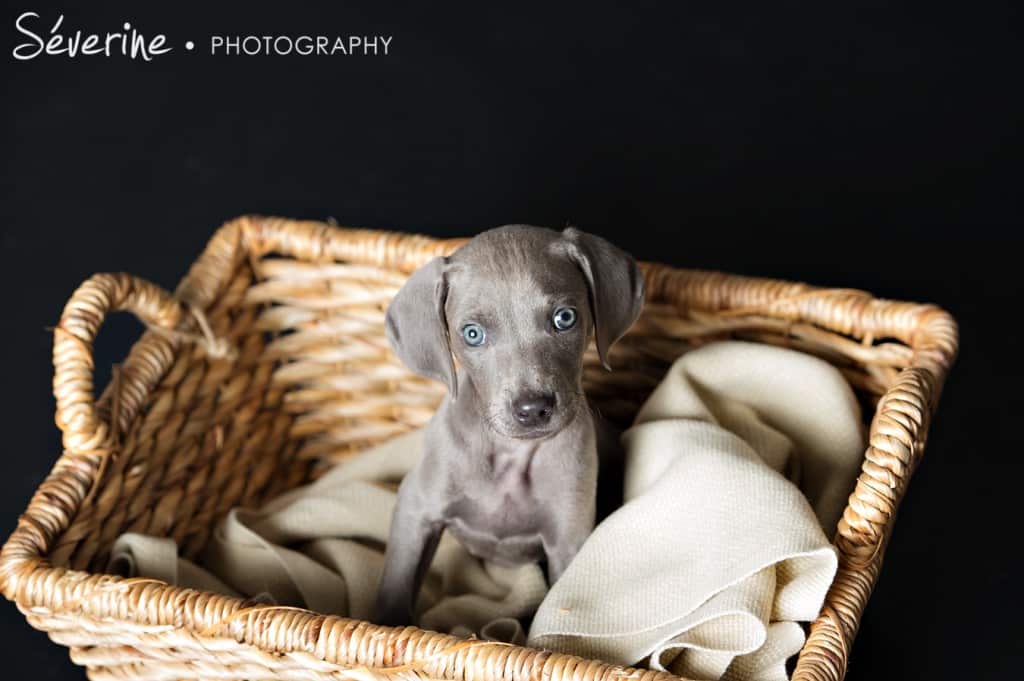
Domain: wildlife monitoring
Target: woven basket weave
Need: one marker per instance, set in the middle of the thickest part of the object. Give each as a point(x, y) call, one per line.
point(269, 362)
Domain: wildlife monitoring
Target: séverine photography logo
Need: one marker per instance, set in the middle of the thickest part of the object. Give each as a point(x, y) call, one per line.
point(51, 37)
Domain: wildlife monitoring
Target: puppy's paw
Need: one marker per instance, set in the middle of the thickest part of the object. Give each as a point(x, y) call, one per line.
point(392, 616)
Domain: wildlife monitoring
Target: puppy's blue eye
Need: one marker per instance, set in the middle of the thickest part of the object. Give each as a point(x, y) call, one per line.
point(473, 334)
point(564, 318)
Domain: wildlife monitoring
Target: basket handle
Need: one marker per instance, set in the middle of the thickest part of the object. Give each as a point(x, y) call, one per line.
point(84, 430)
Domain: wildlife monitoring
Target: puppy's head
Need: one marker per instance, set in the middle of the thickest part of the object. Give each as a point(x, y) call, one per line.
point(517, 306)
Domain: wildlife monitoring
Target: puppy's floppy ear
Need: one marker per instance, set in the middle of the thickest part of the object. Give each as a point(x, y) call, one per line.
point(614, 282)
point(417, 327)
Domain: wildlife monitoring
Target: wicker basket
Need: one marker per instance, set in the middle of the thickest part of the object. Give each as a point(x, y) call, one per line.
point(270, 361)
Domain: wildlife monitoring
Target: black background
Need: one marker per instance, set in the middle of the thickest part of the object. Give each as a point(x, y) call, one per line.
point(872, 145)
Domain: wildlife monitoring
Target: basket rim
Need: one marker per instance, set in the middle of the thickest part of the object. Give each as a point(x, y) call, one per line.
point(896, 442)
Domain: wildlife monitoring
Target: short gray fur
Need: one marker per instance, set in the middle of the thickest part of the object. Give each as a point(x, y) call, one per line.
point(510, 459)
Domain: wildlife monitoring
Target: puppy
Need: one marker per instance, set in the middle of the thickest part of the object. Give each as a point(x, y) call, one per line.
point(510, 461)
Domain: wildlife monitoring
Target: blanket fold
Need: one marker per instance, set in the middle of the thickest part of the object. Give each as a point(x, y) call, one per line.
point(321, 547)
point(715, 545)
point(737, 470)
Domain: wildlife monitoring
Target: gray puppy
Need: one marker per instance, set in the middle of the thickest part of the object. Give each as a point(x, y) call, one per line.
point(510, 460)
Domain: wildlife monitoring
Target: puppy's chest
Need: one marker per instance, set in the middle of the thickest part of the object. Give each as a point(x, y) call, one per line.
point(503, 488)
point(496, 514)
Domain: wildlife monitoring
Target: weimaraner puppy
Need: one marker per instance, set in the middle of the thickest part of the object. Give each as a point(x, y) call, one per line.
point(510, 459)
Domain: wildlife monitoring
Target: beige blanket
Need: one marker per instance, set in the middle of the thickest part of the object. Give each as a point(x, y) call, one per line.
point(322, 547)
point(704, 571)
point(716, 554)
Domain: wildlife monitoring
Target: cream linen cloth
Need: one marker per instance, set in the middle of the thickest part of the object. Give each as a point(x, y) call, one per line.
point(705, 570)
point(322, 547)
point(715, 554)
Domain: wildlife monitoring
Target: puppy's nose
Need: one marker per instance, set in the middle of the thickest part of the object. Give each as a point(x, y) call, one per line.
point(534, 409)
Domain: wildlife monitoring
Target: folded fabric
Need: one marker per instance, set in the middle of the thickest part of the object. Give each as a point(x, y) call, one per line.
point(715, 554)
point(704, 571)
point(322, 547)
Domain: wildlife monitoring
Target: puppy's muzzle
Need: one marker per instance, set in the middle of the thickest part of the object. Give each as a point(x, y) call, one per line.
point(533, 410)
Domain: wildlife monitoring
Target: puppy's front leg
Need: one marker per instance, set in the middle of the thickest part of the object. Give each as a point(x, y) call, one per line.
point(569, 526)
point(412, 542)
point(560, 550)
